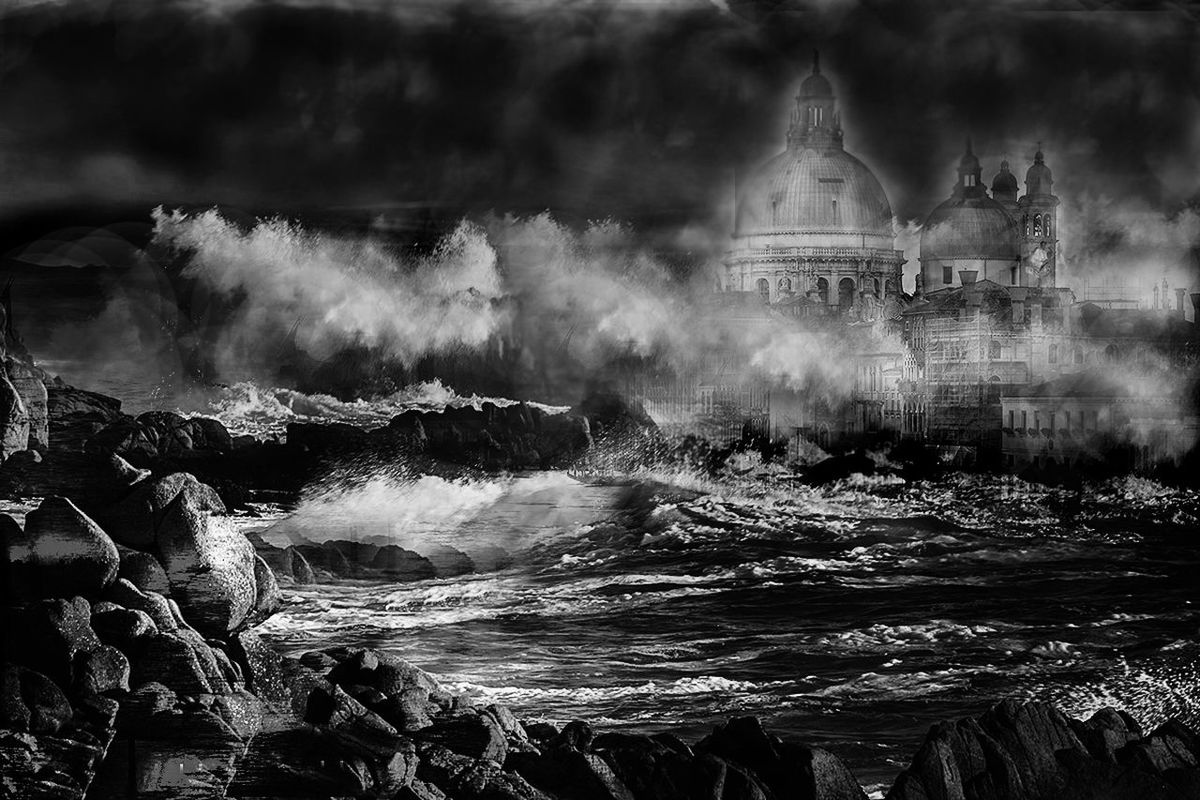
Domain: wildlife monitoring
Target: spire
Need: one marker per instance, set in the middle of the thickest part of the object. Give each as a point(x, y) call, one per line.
point(969, 145)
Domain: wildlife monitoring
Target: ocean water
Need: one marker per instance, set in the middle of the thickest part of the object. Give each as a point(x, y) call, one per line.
point(850, 617)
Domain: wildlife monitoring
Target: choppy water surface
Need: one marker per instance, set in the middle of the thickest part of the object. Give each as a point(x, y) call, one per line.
point(850, 618)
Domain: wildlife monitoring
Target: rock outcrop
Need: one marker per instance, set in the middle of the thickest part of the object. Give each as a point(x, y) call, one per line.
point(1032, 751)
point(60, 553)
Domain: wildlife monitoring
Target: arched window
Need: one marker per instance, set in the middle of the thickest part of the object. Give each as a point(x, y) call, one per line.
point(785, 285)
point(1053, 355)
point(1037, 224)
point(889, 287)
point(994, 350)
point(764, 289)
point(845, 294)
point(836, 216)
point(1025, 223)
point(1112, 354)
point(823, 290)
point(1077, 355)
point(877, 287)
point(1046, 224)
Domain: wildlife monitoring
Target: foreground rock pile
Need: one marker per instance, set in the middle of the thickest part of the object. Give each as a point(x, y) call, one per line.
point(131, 668)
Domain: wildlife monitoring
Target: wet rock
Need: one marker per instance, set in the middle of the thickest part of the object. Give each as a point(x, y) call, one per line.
point(267, 599)
point(327, 559)
point(210, 567)
point(144, 572)
point(105, 669)
point(289, 564)
point(171, 658)
point(466, 778)
point(563, 770)
point(351, 724)
point(29, 701)
point(46, 636)
point(153, 604)
point(61, 552)
point(321, 438)
point(449, 562)
point(123, 628)
point(469, 734)
point(788, 770)
point(135, 519)
point(263, 668)
point(1031, 751)
point(399, 564)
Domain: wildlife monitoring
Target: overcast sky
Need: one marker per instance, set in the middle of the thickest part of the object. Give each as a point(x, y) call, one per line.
point(635, 110)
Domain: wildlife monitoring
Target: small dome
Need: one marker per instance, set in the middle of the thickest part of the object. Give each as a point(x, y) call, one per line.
point(816, 85)
point(808, 189)
point(970, 227)
point(1004, 182)
point(1038, 179)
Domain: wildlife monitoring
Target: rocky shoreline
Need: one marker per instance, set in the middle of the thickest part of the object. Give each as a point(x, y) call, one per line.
point(132, 667)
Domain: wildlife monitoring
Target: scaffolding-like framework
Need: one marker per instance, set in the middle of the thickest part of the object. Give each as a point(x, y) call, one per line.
point(968, 363)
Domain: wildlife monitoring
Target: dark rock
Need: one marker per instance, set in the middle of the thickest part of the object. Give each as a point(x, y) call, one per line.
point(465, 778)
point(123, 628)
point(267, 599)
point(46, 636)
point(153, 604)
point(402, 565)
point(144, 572)
point(102, 670)
point(318, 438)
point(351, 724)
point(288, 564)
point(470, 734)
point(171, 658)
point(263, 668)
point(575, 735)
point(31, 702)
point(328, 559)
point(788, 770)
point(540, 731)
point(1106, 732)
point(135, 520)
point(567, 772)
point(61, 552)
point(448, 562)
point(210, 567)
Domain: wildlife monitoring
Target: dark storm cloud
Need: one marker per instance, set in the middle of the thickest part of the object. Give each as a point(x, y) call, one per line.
point(639, 111)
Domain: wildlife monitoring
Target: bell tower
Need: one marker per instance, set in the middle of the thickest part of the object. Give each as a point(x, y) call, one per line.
point(1038, 218)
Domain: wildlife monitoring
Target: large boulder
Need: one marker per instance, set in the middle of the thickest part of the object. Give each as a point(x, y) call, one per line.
point(1031, 751)
point(135, 519)
point(61, 553)
point(210, 566)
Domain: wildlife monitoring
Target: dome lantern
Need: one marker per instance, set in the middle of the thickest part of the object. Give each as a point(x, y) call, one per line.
point(815, 121)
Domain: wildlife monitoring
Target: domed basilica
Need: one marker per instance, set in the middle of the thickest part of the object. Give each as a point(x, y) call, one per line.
point(814, 227)
point(813, 224)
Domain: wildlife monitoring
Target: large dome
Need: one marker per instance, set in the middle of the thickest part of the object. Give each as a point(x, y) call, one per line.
point(813, 190)
point(970, 227)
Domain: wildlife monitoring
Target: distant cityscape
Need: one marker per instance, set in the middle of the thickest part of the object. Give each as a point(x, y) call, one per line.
point(988, 362)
